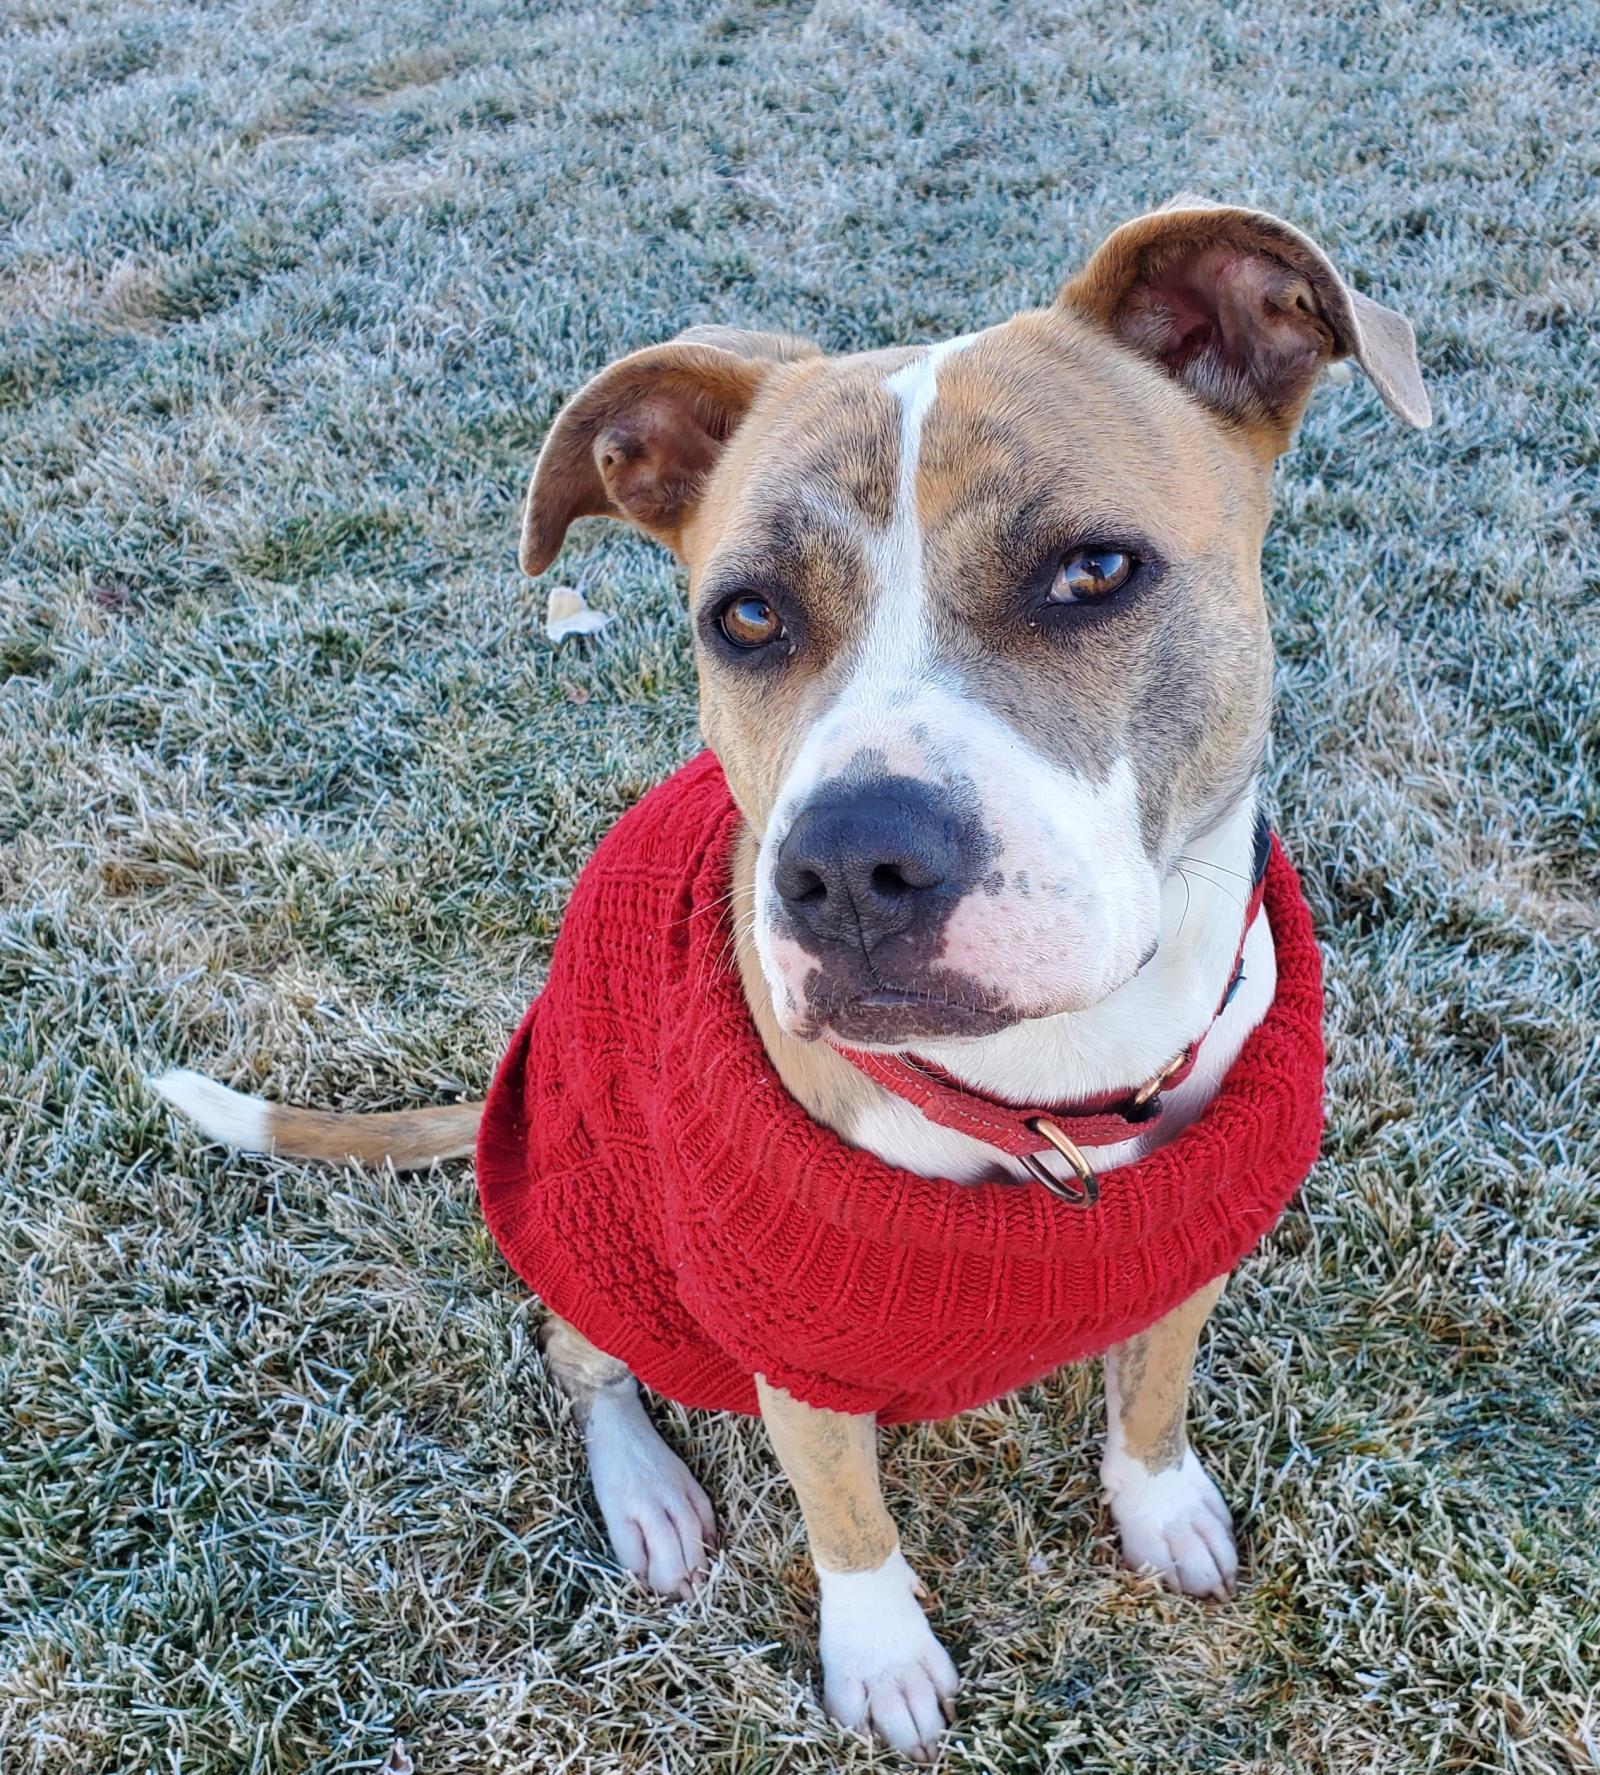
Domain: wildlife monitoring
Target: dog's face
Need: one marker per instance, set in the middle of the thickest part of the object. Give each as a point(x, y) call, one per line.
point(979, 627)
point(981, 642)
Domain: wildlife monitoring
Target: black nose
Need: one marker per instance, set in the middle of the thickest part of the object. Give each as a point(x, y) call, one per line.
point(869, 863)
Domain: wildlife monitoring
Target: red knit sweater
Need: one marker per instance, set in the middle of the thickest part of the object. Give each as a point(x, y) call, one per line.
point(647, 1174)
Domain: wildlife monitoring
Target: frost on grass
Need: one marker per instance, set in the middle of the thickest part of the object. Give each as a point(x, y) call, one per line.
point(293, 789)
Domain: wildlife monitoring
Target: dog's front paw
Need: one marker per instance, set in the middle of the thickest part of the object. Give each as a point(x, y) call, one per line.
point(658, 1518)
point(883, 1672)
point(1175, 1523)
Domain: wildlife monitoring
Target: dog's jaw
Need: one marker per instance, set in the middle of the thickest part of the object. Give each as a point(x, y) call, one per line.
point(1113, 1045)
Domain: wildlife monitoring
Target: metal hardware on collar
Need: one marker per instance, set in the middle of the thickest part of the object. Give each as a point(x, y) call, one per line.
point(1153, 1086)
point(1088, 1191)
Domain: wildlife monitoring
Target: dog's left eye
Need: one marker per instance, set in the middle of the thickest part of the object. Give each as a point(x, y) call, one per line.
point(750, 622)
point(1091, 574)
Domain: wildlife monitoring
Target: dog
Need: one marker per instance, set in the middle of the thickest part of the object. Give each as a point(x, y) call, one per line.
point(984, 658)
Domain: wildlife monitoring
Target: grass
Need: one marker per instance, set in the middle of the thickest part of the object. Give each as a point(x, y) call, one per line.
point(293, 789)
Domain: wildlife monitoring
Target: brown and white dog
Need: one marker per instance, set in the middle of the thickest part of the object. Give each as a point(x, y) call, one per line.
point(983, 652)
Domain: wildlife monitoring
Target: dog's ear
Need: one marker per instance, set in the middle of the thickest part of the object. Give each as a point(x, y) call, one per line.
point(639, 440)
point(1243, 310)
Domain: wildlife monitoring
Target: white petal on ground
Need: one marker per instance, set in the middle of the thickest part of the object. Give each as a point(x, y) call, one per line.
point(567, 612)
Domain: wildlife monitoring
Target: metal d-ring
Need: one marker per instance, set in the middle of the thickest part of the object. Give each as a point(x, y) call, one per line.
point(1155, 1086)
point(1088, 1191)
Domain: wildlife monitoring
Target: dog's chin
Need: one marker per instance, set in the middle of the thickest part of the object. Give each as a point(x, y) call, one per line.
point(887, 1017)
point(893, 1018)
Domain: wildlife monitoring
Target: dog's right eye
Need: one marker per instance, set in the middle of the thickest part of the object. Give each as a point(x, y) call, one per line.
point(1088, 575)
point(750, 622)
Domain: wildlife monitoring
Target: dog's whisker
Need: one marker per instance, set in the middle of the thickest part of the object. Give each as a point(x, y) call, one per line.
point(1208, 863)
point(1188, 900)
point(739, 928)
point(1238, 901)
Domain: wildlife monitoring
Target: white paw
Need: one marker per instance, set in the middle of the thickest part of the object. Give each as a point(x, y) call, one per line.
point(659, 1520)
point(1173, 1522)
point(883, 1672)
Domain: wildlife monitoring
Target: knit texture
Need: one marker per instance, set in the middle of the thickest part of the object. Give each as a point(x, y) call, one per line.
point(644, 1170)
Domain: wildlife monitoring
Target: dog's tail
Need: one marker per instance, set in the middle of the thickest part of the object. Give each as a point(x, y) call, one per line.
point(408, 1139)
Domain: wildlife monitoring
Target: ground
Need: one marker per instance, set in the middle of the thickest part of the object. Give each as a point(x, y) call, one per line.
point(293, 789)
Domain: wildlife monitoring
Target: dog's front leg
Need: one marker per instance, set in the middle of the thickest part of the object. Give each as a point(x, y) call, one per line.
point(1168, 1511)
point(658, 1518)
point(882, 1669)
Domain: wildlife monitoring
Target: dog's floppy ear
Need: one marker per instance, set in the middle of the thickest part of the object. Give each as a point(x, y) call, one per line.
point(639, 440)
point(1243, 310)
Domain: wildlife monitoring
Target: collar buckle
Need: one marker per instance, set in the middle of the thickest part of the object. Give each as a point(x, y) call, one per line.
point(1152, 1088)
point(1087, 1190)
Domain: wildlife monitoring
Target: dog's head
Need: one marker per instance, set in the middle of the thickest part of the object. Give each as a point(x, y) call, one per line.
point(979, 626)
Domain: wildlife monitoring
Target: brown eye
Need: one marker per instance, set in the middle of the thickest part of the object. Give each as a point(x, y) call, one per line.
point(1091, 574)
point(750, 622)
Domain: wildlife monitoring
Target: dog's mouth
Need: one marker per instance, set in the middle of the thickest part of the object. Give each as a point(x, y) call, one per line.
point(895, 1017)
point(850, 1013)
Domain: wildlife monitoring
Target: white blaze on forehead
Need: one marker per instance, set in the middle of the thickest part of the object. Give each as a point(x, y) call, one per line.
point(895, 663)
point(893, 669)
point(896, 650)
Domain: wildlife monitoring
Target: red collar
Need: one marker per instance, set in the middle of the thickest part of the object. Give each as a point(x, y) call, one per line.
point(1025, 1131)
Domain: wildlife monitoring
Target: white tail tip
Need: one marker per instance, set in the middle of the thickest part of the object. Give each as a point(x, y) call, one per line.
point(229, 1117)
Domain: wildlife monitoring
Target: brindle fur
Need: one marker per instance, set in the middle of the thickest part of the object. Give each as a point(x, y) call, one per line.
point(581, 1371)
point(1150, 1377)
point(831, 1460)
